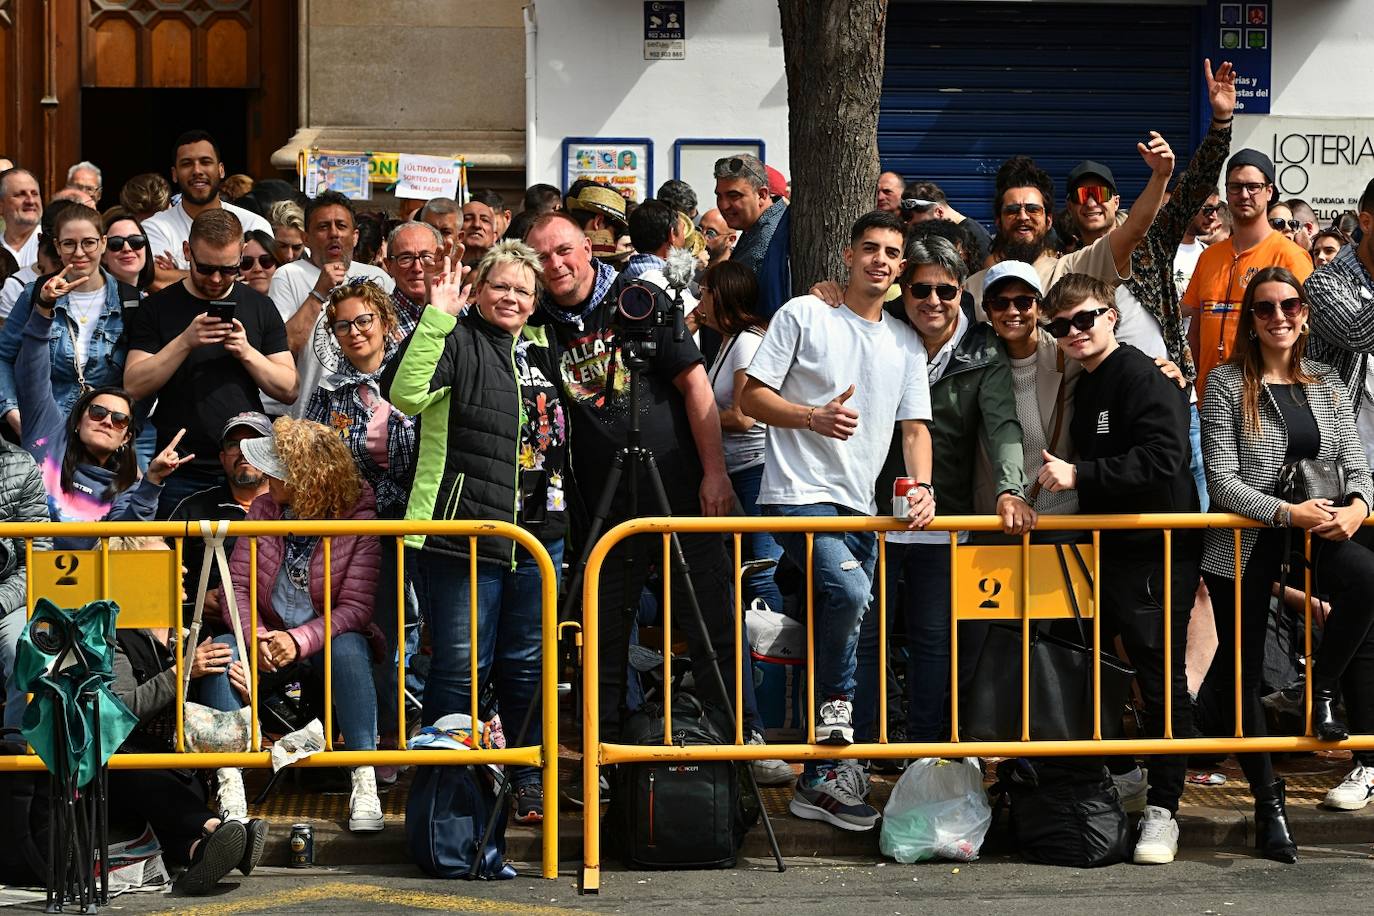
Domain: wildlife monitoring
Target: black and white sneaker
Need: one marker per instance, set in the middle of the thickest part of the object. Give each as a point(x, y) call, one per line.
point(836, 725)
point(1354, 792)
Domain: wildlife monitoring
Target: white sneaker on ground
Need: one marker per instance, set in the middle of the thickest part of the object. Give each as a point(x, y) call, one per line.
point(364, 807)
point(229, 795)
point(1354, 792)
point(837, 799)
point(836, 724)
point(1133, 787)
point(770, 772)
point(1158, 842)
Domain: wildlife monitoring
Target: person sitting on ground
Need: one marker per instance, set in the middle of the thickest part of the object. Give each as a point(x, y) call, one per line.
point(310, 476)
point(1268, 406)
point(173, 802)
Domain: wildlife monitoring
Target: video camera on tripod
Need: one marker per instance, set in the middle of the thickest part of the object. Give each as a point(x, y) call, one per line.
point(643, 307)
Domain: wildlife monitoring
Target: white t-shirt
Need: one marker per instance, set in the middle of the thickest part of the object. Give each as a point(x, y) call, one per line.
point(291, 284)
point(742, 450)
point(1185, 262)
point(166, 231)
point(84, 309)
point(14, 288)
point(1137, 326)
point(27, 253)
point(810, 355)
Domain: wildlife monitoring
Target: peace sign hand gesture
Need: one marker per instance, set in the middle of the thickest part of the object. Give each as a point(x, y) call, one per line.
point(57, 286)
point(167, 460)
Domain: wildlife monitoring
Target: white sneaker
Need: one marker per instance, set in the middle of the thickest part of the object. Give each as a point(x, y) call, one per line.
point(837, 723)
point(1354, 792)
point(1158, 843)
point(1133, 787)
point(364, 807)
point(229, 795)
point(770, 772)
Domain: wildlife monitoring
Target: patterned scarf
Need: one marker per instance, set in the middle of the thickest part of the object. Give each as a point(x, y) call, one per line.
point(605, 276)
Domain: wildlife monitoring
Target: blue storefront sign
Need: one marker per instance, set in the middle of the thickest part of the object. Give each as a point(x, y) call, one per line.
point(1243, 33)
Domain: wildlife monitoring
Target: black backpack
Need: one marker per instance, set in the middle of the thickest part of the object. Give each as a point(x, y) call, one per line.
point(676, 814)
point(1063, 812)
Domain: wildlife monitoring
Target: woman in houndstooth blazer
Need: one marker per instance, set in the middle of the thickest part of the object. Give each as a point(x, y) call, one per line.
point(1266, 407)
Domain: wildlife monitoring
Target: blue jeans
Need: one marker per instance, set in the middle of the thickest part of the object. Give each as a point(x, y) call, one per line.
point(923, 572)
point(384, 615)
point(843, 580)
point(1195, 442)
point(509, 630)
point(355, 697)
point(758, 546)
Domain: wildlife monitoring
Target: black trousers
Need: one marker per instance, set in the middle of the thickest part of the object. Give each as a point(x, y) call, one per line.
point(623, 582)
point(172, 801)
point(1132, 589)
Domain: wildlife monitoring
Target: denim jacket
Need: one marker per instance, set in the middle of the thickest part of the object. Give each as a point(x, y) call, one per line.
point(104, 357)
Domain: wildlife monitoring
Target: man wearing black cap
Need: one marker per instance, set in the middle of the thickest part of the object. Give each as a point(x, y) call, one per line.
point(1212, 301)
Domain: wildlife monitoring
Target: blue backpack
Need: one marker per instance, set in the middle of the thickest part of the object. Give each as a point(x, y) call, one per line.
point(446, 815)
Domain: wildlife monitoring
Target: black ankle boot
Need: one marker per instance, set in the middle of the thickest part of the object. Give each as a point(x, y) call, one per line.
point(1272, 839)
point(1325, 725)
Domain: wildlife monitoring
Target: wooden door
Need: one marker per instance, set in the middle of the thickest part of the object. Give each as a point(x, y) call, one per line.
point(171, 44)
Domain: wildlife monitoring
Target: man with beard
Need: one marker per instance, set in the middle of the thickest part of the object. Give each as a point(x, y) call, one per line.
point(1023, 206)
point(228, 501)
point(720, 238)
point(300, 289)
point(197, 170)
point(485, 217)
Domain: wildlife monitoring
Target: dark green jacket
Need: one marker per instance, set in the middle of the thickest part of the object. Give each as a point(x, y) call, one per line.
point(972, 402)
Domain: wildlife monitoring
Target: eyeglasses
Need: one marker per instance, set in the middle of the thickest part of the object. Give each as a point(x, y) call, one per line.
point(98, 412)
point(68, 246)
point(362, 323)
point(1263, 310)
point(946, 291)
point(265, 261)
point(135, 242)
point(1015, 209)
point(406, 261)
point(710, 234)
point(1081, 321)
point(1282, 224)
point(1094, 192)
point(1245, 188)
point(1211, 209)
point(1023, 303)
point(502, 288)
point(739, 167)
point(209, 270)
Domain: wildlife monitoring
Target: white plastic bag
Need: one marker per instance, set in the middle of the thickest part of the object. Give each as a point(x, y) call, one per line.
point(938, 809)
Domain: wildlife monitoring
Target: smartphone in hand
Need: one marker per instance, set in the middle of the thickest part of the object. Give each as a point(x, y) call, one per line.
point(222, 310)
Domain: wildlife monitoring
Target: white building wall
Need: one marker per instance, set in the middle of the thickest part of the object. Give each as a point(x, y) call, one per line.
point(1321, 60)
point(592, 80)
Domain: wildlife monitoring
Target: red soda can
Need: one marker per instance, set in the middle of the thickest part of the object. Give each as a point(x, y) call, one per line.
point(902, 490)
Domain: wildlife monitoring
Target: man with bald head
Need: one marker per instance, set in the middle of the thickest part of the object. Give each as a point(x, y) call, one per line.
point(679, 427)
point(890, 189)
point(720, 238)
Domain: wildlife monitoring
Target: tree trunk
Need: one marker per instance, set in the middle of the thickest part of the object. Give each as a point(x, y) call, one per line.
point(833, 51)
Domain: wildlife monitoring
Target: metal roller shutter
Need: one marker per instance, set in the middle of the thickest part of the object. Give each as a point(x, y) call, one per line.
point(969, 84)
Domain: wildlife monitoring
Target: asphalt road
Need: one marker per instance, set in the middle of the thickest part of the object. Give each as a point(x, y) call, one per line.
point(1202, 882)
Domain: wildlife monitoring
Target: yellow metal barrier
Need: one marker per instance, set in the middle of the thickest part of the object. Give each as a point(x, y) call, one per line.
point(981, 575)
point(147, 585)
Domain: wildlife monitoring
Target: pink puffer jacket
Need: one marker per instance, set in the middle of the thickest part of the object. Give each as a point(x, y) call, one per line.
point(353, 564)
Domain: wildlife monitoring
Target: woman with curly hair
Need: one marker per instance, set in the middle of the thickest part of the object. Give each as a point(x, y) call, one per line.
point(311, 475)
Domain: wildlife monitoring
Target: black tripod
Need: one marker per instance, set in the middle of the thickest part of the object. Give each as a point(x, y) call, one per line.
point(635, 351)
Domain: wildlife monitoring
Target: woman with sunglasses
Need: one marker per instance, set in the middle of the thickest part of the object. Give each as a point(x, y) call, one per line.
point(126, 250)
point(86, 315)
point(1267, 406)
point(485, 387)
point(259, 261)
point(1281, 218)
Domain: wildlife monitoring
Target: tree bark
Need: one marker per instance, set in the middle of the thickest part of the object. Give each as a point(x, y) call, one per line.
point(833, 50)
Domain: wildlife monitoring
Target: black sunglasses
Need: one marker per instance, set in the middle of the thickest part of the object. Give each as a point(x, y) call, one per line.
point(118, 418)
point(1281, 224)
point(1022, 303)
point(209, 270)
point(946, 291)
point(135, 242)
point(1211, 209)
point(1263, 310)
point(265, 261)
point(1081, 321)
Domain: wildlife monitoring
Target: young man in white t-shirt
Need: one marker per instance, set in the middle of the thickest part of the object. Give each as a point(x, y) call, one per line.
point(197, 170)
point(830, 384)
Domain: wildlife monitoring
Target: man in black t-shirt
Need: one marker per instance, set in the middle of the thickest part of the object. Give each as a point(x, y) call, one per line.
point(679, 425)
point(202, 368)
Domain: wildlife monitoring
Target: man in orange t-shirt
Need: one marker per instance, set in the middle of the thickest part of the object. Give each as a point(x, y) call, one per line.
point(1212, 302)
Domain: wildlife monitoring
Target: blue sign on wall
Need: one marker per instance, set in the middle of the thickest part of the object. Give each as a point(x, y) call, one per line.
point(1243, 33)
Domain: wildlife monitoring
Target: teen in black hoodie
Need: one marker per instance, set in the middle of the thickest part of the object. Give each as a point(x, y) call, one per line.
point(1130, 429)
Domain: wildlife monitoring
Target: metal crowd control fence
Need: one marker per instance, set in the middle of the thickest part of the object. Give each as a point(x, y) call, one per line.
point(147, 585)
point(975, 570)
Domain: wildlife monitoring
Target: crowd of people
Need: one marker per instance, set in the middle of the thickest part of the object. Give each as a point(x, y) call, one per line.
point(273, 356)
